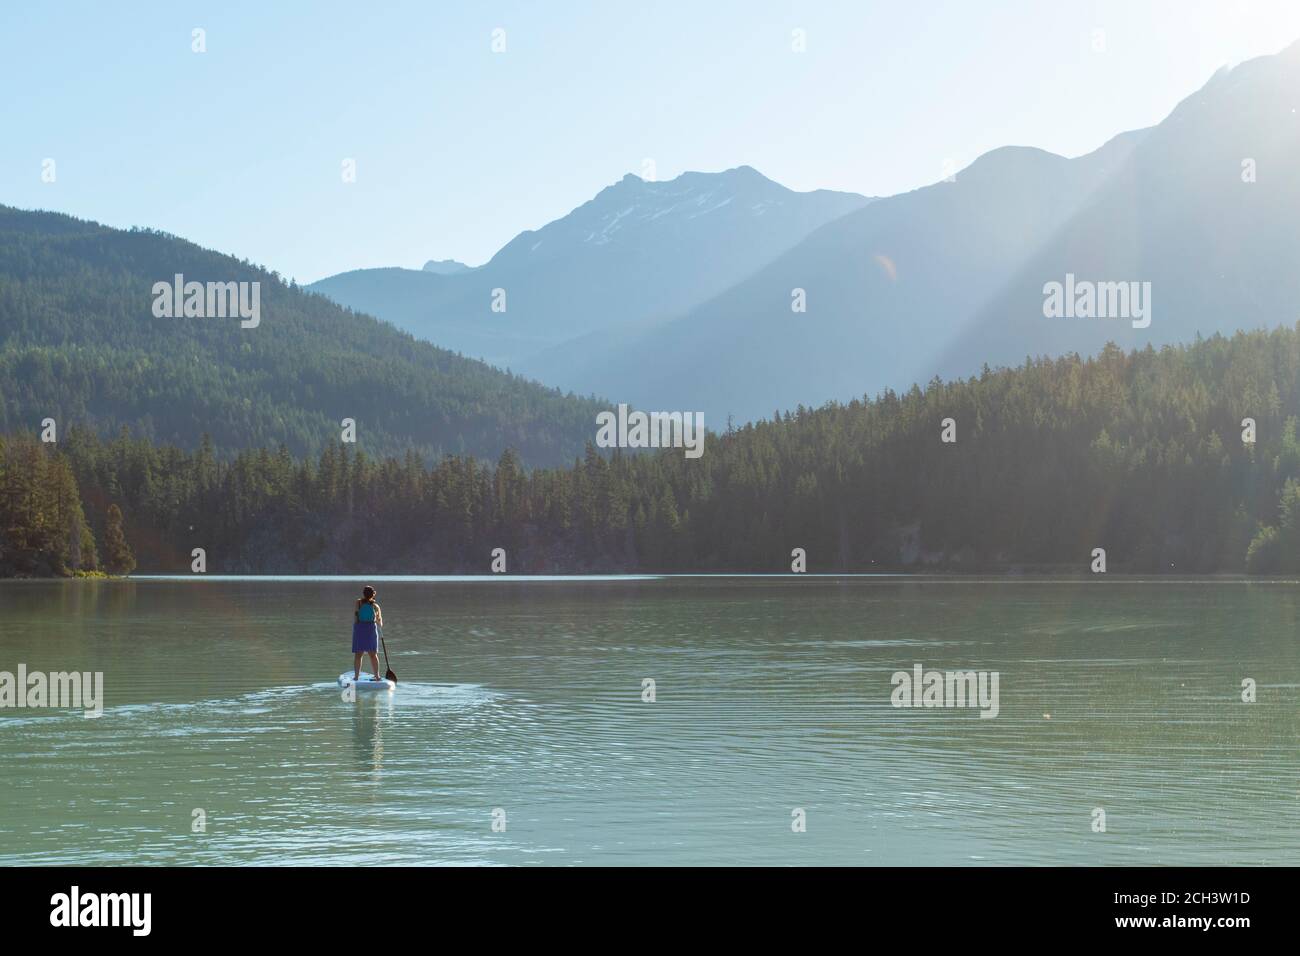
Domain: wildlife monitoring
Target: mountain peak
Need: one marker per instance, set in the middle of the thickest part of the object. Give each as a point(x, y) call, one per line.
point(638, 250)
point(446, 267)
point(736, 174)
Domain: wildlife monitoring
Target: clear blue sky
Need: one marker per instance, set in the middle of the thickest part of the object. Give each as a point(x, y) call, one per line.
point(459, 148)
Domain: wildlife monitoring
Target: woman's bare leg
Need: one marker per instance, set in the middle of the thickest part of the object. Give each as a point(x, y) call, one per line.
point(356, 666)
point(374, 662)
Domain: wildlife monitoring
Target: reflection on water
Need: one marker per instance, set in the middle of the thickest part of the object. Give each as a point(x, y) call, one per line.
point(771, 694)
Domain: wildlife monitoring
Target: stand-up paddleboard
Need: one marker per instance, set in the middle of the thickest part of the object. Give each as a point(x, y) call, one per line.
point(367, 682)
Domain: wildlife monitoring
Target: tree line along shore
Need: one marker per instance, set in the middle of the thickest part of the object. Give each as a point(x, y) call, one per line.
point(1183, 459)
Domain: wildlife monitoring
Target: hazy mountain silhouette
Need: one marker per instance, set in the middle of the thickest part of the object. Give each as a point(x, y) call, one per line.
point(678, 295)
point(639, 250)
point(949, 277)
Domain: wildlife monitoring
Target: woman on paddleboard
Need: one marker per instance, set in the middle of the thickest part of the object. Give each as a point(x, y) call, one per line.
point(369, 617)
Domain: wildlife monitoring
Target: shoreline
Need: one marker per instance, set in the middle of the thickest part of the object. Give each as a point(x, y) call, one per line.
point(1056, 577)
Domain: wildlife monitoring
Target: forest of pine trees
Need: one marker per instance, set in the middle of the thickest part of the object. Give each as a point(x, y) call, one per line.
point(1141, 454)
point(79, 343)
point(43, 527)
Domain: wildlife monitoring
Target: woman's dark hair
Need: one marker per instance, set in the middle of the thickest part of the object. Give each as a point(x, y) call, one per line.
point(367, 593)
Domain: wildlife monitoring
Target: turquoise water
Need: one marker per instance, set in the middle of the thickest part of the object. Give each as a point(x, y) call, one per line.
point(524, 697)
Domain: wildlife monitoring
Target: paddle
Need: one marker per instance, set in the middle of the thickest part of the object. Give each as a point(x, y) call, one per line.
point(389, 675)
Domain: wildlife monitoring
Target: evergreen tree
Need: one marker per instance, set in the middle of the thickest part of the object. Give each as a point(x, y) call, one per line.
point(118, 558)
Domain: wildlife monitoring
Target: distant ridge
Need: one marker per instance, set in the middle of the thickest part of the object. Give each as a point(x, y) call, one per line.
point(446, 267)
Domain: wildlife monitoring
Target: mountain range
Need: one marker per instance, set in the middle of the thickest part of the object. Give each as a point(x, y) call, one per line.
point(678, 295)
point(637, 254)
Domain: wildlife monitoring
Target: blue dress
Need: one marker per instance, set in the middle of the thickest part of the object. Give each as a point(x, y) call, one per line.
point(365, 635)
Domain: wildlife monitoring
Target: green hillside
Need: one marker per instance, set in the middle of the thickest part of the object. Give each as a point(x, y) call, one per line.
point(79, 343)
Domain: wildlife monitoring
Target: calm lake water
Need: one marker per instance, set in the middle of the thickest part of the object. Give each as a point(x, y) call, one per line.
point(772, 694)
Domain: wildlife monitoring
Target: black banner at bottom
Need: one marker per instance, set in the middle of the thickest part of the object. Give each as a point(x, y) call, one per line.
point(308, 905)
